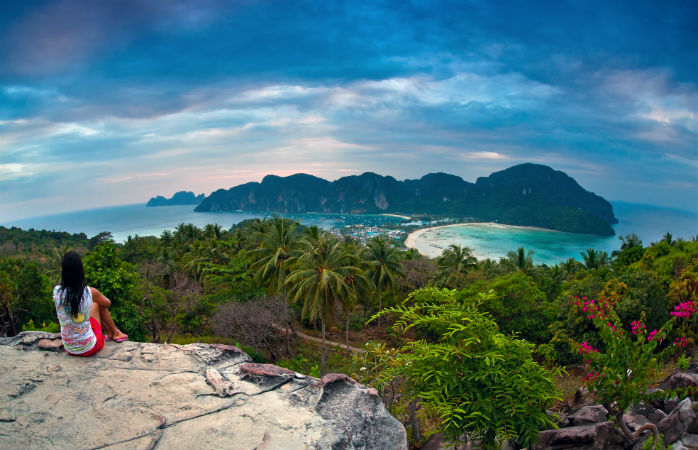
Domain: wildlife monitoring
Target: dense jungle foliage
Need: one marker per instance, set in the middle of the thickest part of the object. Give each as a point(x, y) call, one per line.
point(246, 284)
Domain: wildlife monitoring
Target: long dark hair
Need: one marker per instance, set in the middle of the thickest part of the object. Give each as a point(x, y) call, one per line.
point(73, 281)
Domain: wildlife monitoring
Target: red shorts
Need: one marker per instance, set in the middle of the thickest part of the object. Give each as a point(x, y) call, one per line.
point(97, 329)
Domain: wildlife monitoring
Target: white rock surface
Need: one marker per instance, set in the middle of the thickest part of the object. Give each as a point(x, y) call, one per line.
point(197, 396)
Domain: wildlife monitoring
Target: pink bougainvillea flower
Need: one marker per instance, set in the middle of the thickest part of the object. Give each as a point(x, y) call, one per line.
point(683, 310)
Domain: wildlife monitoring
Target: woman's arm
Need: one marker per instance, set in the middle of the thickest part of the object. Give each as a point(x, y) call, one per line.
point(98, 298)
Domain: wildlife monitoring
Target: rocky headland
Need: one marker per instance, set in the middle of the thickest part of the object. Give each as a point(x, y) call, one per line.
point(179, 198)
point(198, 396)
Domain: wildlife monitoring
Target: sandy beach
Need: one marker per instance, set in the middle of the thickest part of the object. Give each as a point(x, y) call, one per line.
point(411, 240)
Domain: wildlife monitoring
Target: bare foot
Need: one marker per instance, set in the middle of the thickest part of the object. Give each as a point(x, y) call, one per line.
point(118, 335)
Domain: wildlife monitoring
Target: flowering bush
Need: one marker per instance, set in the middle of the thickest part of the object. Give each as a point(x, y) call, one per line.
point(628, 363)
point(684, 310)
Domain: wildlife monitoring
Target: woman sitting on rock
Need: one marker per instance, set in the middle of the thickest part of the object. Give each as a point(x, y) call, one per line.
point(82, 311)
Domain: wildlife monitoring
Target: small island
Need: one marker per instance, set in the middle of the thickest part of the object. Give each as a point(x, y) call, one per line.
point(180, 198)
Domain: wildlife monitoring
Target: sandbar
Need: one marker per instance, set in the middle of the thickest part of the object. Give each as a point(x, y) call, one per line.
point(396, 215)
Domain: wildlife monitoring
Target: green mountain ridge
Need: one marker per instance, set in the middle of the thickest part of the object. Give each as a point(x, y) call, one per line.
point(526, 194)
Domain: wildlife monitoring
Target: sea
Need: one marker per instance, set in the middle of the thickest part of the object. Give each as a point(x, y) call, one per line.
point(140, 220)
point(493, 241)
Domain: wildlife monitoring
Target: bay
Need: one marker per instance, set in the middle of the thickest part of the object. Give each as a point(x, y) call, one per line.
point(494, 241)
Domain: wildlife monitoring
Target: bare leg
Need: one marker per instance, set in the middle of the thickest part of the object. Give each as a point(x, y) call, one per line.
point(94, 313)
point(108, 324)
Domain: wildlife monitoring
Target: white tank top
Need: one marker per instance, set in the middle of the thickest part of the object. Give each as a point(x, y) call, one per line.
point(76, 334)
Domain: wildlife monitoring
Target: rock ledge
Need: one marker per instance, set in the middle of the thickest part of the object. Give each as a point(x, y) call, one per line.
point(197, 396)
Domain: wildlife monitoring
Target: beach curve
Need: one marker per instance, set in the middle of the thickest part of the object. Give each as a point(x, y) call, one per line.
point(411, 240)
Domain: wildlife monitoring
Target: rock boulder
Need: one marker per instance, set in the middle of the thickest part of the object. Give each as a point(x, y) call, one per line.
point(594, 436)
point(677, 422)
point(197, 396)
point(588, 414)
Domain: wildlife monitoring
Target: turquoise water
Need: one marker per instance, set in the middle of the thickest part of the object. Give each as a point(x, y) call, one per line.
point(550, 247)
point(650, 223)
point(131, 220)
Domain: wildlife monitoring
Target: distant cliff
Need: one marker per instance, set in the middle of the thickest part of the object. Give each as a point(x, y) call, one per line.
point(180, 198)
point(527, 194)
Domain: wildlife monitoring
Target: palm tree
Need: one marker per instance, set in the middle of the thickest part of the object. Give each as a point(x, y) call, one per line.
point(212, 231)
point(249, 234)
point(571, 266)
point(454, 262)
point(221, 252)
point(319, 279)
point(195, 259)
point(271, 258)
point(668, 238)
point(520, 259)
point(312, 233)
point(631, 250)
point(412, 254)
point(383, 266)
point(179, 232)
point(593, 259)
point(557, 274)
point(56, 259)
point(166, 238)
point(629, 241)
point(168, 261)
point(186, 233)
point(360, 285)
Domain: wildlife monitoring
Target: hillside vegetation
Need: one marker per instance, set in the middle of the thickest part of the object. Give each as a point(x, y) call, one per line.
point(437, 332)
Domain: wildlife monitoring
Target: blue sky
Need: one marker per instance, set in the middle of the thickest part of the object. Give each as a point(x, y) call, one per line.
point(113, 102)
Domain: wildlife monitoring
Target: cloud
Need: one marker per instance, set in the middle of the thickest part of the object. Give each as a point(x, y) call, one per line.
point(11, 170)
point(484, 155)
point(133, 98)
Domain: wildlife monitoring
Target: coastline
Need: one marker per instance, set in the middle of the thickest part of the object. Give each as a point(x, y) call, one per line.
point(411, 240)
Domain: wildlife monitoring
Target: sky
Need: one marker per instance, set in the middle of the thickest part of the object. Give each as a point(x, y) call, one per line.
point(113, 102)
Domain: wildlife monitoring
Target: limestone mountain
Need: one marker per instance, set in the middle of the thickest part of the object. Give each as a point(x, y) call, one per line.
point(180, 198)
point(527, 194)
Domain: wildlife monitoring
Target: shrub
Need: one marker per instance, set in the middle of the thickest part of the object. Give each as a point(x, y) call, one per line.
point(253, 322)
point(629, 361)
point(51, 327)
point(115, 279)
point(481, 383)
